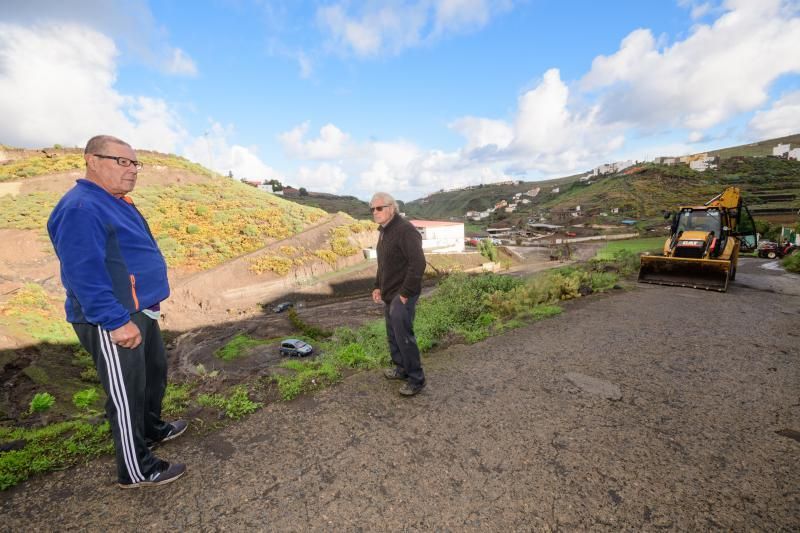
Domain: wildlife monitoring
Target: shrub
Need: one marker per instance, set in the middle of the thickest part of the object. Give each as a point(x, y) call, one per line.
point(42, 401)
point(792, 263)
point(85, 398)
point(488, 250)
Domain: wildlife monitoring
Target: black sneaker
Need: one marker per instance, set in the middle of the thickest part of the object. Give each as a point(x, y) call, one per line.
point(411, 390)
point(177, 429)
point(163, 474)
point(394, 373)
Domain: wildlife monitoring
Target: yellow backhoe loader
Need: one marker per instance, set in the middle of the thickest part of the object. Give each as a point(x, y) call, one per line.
point(702, 250)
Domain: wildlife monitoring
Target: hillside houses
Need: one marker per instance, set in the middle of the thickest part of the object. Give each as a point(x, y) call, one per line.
point(785, 151)
point(698, 162)
point(609, 168)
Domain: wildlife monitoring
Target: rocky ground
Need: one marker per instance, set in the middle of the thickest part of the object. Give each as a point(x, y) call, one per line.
point(654, 408)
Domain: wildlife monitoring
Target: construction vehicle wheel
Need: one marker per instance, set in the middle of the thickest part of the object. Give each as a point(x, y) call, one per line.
point(771, 255)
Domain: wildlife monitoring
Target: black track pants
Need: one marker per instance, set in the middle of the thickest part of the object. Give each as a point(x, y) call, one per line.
point(134, 381)
point(402, 343)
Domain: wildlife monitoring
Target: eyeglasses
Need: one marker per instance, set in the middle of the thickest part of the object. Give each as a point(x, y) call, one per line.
point(122, 161)
point(378, 208)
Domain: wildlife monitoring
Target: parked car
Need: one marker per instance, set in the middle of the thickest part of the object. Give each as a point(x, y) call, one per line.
point(295, 348)
point(571, 234)
point(281, 307)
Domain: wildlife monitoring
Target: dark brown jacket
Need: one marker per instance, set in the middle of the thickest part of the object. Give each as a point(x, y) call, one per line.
point(401, 261)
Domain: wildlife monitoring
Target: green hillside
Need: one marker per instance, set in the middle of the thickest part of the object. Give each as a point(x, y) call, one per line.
point(332, 203)
point(771, 188)
point(197, 225)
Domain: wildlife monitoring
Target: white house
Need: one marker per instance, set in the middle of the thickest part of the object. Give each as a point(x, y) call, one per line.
point(703, 163)
point(781, 149)
point(440, 236)
point(555, 190)
point(794, 154)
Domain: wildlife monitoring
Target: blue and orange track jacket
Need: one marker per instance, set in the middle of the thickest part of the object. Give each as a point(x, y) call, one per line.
point(111, 266)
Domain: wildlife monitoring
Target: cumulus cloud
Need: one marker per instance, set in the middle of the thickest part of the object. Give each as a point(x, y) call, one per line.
point(129, 23)
point(332, 143)
point(53, 92)
point(326, 177)
point(214, 151)
point(781, 119)
point(375, 29)
point(720, 70)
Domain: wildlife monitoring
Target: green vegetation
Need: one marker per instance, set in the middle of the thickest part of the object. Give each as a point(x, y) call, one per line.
point(636, 246)
point(307, 330)
point(202, 225)
point(28, 211)
point(85, 398)
point(307, 376)
point(235, 405)
point(792, 263)
point(49, 448)
point(42, 401)
point(464, 307)
point(32, 312)
point(237, 347)
point(176, 399)
point(40, 164)
point(488, 250)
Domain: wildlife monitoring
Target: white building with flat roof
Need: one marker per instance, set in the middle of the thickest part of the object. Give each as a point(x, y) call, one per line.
point(440, 236)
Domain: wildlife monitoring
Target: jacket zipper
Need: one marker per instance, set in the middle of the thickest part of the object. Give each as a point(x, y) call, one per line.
point(133, 292)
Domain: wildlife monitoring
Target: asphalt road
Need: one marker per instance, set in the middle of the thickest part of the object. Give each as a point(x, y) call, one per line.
point(649, 409)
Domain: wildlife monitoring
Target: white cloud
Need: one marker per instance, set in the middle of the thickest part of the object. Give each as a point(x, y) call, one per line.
point(324, 178)
point(720, 70)
point(181, 64)
point(782, 119)
point(331, 144)
point(213, 150)
point(391, 27)
point(54, 92)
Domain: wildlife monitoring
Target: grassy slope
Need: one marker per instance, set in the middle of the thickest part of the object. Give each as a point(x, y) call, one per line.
point(641, 195)
point(197, 225)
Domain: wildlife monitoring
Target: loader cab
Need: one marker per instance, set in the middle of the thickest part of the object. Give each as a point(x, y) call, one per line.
point(706, 220)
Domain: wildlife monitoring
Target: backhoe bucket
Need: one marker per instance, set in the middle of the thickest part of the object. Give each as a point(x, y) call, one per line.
point(709, 274)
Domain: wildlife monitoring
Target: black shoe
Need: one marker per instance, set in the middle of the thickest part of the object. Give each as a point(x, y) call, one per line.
point(177, 428)
point(394, 373)
point(163, 474)
point(411, 390)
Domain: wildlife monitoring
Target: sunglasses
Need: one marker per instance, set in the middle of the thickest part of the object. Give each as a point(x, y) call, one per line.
point(378, 208)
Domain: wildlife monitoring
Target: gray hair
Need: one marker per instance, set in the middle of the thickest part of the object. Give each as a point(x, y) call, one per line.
point(97, 143)
point(387, 199)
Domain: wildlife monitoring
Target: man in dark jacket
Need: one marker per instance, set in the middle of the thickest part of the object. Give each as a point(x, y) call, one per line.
point(401, 264)
point(115, 278)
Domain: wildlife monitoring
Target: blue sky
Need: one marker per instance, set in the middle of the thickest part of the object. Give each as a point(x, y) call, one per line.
point(406, 96)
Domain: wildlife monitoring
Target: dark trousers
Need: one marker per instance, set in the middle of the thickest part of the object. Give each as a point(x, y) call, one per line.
point(402, 343)
point(135, 381)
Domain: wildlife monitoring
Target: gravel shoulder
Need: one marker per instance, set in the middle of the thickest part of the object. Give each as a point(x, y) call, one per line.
point(654, 408)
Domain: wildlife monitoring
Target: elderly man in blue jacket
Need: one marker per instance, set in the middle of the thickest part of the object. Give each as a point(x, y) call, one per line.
point(115, 278)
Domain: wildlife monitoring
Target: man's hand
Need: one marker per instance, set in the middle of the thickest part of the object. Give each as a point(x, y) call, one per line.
point(376, 296)
point(403, 299)
point(128, 336)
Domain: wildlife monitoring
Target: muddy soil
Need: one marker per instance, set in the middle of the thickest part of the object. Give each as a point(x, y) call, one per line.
point(653, 408)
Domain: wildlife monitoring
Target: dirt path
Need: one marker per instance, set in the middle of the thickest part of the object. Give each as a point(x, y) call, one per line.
point(658, 408)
